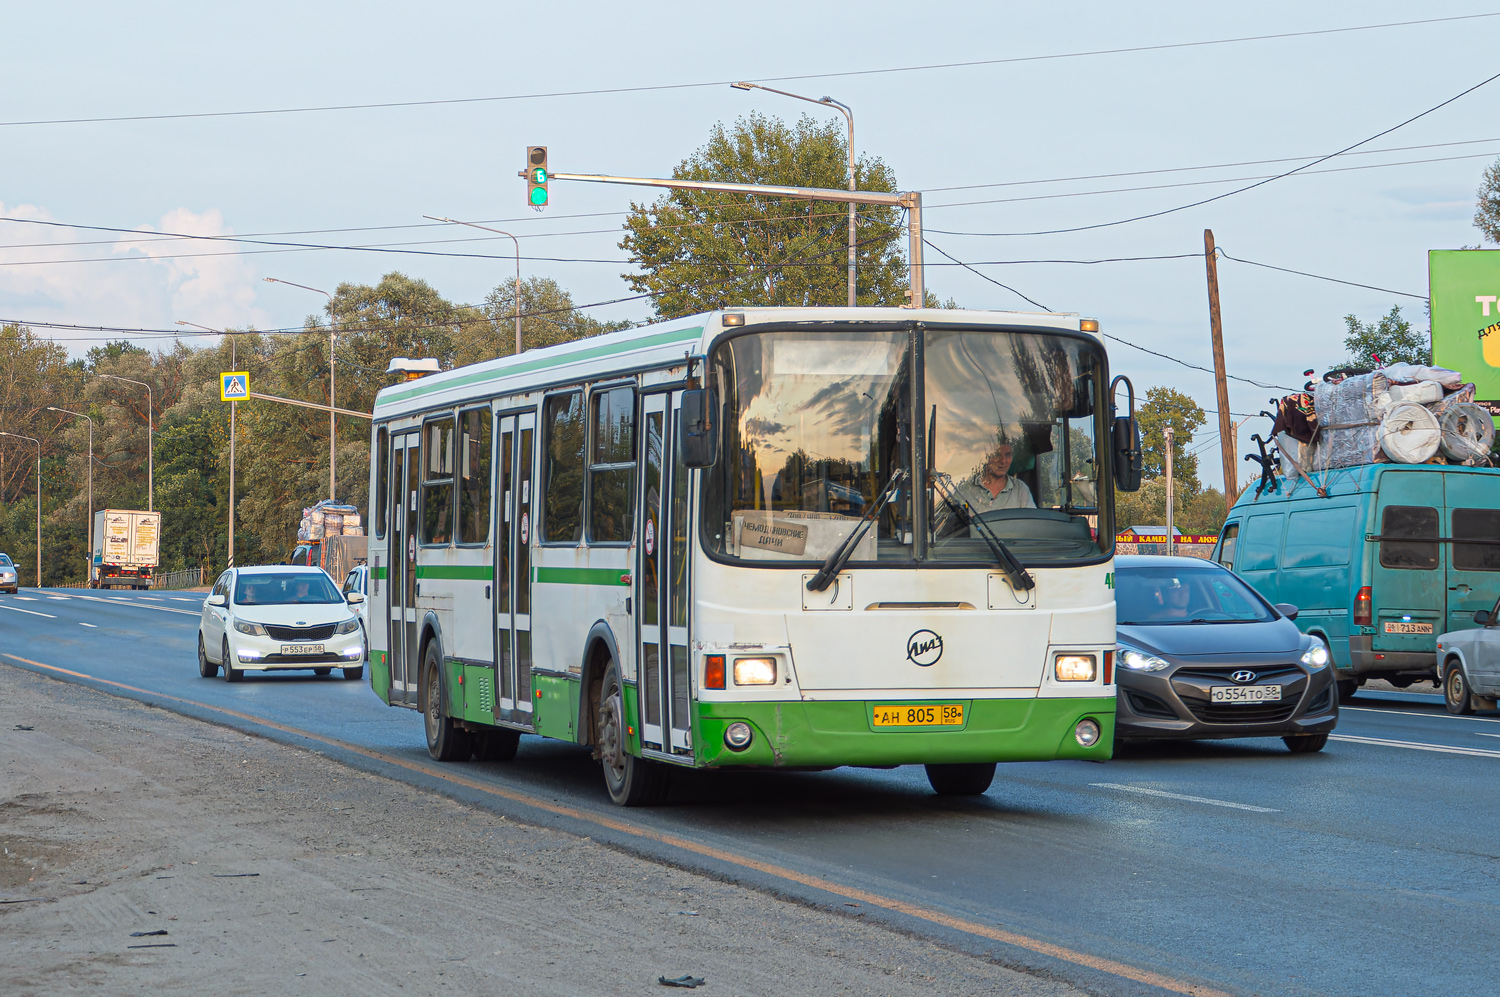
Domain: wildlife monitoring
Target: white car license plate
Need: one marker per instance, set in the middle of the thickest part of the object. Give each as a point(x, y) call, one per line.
point(304, 649)
point(1408, 628)
point(1244, 693)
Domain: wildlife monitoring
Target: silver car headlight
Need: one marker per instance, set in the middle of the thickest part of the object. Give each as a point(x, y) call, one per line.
point(253, 629)
point(1139, 661)
point(349, 626)
point(1316, 656)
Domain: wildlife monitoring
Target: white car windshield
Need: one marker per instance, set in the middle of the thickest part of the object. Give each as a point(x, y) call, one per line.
point(5, 559)
point(313, 588)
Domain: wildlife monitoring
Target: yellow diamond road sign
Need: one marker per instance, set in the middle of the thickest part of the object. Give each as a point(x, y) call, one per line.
point(234, 386)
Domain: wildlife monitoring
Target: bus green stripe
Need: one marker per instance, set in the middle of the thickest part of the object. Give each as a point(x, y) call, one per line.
point(581, 576)
point(379, 572)
point(463, 572)
point(589, 353)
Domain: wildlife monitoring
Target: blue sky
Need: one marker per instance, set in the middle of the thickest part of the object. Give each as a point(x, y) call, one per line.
point(1038, 120)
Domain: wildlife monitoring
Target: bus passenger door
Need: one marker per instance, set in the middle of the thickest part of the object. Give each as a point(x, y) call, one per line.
point(402, 636)
point(516, 432)
point(661, 586)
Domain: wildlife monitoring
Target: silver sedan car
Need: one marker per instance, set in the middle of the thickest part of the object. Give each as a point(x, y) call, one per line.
point(279, 618)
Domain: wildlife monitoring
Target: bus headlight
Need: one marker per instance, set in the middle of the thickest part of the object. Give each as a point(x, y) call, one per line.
point(1086, 733)
point(754, 671)
point(738, 735)
point(1075, 668)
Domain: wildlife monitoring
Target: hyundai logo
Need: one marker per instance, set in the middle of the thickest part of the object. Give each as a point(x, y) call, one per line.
point(1244, 676)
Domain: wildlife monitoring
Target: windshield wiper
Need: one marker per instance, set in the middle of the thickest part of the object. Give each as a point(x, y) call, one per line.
point(841, 554)
point(1019, 577)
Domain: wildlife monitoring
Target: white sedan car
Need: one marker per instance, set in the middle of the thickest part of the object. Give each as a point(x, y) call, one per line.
point(279, 618)
point(1469, 664)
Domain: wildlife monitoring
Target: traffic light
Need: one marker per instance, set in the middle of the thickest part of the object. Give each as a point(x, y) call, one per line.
point(536, 176)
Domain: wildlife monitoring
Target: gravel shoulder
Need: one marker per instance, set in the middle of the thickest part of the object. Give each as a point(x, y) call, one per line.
point(272, 869)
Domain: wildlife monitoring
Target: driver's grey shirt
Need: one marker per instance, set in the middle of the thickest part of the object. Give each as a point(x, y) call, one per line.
point(1015, 495)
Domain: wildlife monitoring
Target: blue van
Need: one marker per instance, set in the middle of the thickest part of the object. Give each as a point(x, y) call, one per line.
point(1394, 555)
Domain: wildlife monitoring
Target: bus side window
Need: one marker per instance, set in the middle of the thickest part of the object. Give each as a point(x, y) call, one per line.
point(564, 430)
point(382, 482)
point(1226, 545)
point(474, 476)
point(437, 481)
point(1420, 522)
point(612, 466)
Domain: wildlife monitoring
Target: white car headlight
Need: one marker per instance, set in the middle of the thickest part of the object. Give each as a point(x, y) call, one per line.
point(349, 626)
point(1315, 657)
point(253, 629)
point(1139, 661)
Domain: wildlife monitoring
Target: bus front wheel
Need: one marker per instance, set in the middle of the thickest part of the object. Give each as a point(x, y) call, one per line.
point(632, 781)
point(966, 779)
point(446, 741)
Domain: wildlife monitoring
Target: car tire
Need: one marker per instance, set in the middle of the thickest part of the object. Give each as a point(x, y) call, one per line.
point(231, 674)
point(964, 779)
point(206, 668)
point(352, 674)
point(632, 781)
point(1303, 744)
point(498, 745)
point(1456, 695)
point(446, 740)
point(320, 672)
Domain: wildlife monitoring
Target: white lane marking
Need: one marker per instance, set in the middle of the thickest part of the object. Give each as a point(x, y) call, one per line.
point(178, 599)
point(57, 598)
point(32, 612)
point(1446, 749)
point(1179, 796)
point(93, 626)
point(138, 605)
point(1413, 713)
point(27, 598)
point(1483, 734)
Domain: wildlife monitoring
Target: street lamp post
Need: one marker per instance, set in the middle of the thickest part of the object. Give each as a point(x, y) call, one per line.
point(150, 438)
point(332, 363)
point(848, 113)
point(455, 221)
point(54, 408)
point(38, 443)
point(233, 407)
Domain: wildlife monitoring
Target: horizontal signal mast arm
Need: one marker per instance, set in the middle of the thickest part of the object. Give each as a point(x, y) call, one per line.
point(902, 200)
point(314, 405)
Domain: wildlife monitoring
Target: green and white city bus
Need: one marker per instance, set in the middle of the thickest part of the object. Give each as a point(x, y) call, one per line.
point(767, 537)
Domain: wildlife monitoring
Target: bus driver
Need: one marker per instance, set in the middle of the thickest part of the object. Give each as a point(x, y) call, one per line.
point(996, 488)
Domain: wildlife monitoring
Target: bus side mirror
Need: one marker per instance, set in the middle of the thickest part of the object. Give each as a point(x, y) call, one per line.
point(697, 430)
point(1126, 440)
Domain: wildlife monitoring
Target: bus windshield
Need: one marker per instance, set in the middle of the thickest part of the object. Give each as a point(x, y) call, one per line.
point(815, 424)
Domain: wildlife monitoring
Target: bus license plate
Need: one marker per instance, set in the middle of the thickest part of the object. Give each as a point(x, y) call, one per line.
point(302, 649)
point(926, 715)
point(1244, 693)
point(1408, 628)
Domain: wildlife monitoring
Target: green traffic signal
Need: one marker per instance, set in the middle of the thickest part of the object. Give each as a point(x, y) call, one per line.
point(538, 197)
point(539, 174)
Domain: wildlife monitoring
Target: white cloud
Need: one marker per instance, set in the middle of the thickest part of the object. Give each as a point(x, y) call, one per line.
point(69, 275)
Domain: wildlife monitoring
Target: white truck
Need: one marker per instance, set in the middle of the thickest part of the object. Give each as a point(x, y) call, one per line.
point(127, 546)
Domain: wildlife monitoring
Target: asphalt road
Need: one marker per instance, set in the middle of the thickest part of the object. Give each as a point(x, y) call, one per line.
point(1224, 867)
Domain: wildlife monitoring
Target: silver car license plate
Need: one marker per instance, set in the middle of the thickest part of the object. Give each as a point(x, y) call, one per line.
point(318, 649)
point(1244, 693)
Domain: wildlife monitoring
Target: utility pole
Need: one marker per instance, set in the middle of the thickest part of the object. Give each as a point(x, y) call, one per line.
point(910, 200)
point(1167, 436)
point(1221, 383)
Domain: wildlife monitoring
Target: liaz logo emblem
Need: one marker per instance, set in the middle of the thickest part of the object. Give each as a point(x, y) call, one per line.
point(924, 648)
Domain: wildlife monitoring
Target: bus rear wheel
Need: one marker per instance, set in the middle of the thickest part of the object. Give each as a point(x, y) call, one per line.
point(446, 740)
point(631, 781)
point(965, 779)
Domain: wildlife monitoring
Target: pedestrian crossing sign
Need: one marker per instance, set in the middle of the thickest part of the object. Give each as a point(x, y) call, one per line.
point(234, 386)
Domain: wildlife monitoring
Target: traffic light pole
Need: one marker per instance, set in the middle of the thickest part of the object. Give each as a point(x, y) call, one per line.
point(910, 200)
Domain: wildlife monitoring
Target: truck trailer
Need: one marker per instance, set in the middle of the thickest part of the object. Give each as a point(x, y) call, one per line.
point(127, 548)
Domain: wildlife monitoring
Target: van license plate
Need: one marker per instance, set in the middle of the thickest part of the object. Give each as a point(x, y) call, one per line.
point(1408, 628)
point(1244, 693)
point(920, 715)
point(302, 649)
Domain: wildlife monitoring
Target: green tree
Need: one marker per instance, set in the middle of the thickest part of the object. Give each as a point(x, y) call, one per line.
point(1390, 340)
point(1165, 407)
point(547, 319)
point(703, 250)
point(1487, 206)
point(1202, 512)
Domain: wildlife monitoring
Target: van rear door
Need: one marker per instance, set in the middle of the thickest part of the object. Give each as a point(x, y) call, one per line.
point(1408, 578)
point(1473, 513)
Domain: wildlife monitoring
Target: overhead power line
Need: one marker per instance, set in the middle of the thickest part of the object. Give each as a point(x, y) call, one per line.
point(601, 91)
point(1318, 276)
